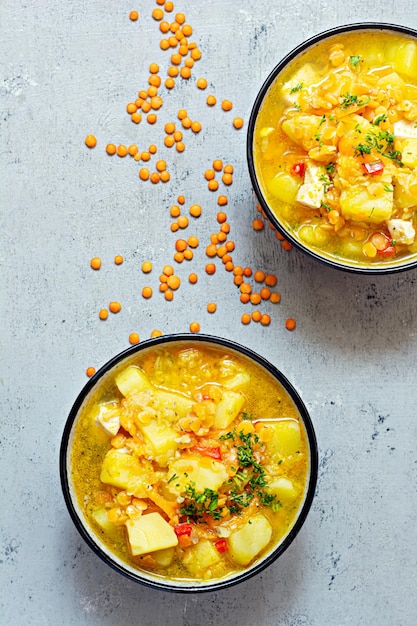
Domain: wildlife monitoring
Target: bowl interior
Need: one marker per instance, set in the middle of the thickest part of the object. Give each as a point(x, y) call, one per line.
point(81, 521)
point(267, 94)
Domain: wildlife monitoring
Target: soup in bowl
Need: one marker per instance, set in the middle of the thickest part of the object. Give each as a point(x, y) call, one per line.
point(188, 463)
point(332, 147)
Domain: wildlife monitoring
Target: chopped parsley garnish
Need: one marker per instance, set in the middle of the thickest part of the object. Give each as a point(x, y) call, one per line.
point(173, 477)
point(326, 182)
point(350, 99)
point(379, 119)
point(296, 88)
point(326, 206)
point(330, 168)
point(354, 60)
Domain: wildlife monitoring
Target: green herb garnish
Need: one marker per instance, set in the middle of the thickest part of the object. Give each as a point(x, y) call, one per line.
point(296, 88)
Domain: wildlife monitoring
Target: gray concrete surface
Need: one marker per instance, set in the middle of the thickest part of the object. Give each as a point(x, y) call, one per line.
point(68, 69)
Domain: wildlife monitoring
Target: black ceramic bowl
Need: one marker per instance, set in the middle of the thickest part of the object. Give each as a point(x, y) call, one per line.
point(288, 225)
point(78, 515)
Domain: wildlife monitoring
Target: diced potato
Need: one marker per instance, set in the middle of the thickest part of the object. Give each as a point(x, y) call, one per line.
point(313, 235)
point(357, 203)
point(405, 189)
point(101, 518)
point(287, 437)
point(150, 532)
point(132, 380)
point(390, 80)
point(302, 129)
point(200, 557)
point(228, 409)
point(283, 488)
point(179, 404)
point(404, 57)
point(204, 472)
point(161, 438)
point(164, 557)
point(408, 148)
point(124, 470)
point(283, 186)
point(303, 77)
point(240, 379)
point(247, 542)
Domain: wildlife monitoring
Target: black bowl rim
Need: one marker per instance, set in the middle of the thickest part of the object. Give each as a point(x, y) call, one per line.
point(214, 340)
point(249, 144)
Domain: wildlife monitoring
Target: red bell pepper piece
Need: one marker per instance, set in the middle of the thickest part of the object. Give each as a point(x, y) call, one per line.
point(387, 252)
point(221, 546)
point(183, 529)
point(374, 167)
point(298, 169)
point(214, 453)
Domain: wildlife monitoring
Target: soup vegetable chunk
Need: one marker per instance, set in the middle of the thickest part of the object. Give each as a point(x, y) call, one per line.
point(190, 462)
point(335, 147)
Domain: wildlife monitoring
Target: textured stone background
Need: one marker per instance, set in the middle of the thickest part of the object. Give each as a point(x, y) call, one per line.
point(69, 69)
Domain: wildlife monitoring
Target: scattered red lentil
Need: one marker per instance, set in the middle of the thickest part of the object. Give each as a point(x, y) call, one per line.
point(156, 333)
point(193, 278)
point(90, 141)
point(210, 268)
point(147, 292)
point(103, 314)
point(118, 259)
point(238, 123)
point(246, 318)
point(146, 267)
point(212, 307)
point(227, 105)
point(90, 371)
point(115, 307)
point(134, 338)
point(134, 15)
point(95, 263)
point(290, 324)
point(195, 327)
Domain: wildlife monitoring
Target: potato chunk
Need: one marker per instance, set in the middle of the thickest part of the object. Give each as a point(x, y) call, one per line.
point(228, 409)
point(125, 471)
point(284, 489)
point(358, 203)
point(149, 533)
point(132, 380)
point(161, 439)
point(204, 472)
point(286, 439)
point(201, 557)
point(247, 542)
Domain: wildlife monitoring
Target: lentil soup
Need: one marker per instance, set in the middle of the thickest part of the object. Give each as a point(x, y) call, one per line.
point(190, 462)
point(335, 148)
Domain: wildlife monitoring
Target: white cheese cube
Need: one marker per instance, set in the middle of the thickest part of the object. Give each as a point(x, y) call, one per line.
point(401, 231)
point(108, 419)
point(404, 129)
point(311, 192)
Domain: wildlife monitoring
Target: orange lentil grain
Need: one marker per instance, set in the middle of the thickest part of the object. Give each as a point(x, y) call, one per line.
point(131, 107)
point(195, 52)
point(227, 179)
point(90, 371)
point(255, 298)
point(186, 122)
point(157, 14)
point(180, 18)
point(222, 200)
point(136, 118)
point(154, 68)
point(193, 278)
point(227, 105)
point(238, 122)
point(161, 165)
point(146, 106)
point(221, 236)
point(183, 221)
point(90, 141)
point(174, 282)
point(246, 318)
point(187, 30)
point(155, 82)
point(185, 73)
point(151, 118)
point(115, 307)
point(212, 307)
point(121, 150)
point(152, 149)
point(145, 155)
point(169, 295)
point(221, 217)
point(134, 15)
point(265, 293)
point(155, 178)
point(196, 127)
point(230, 246)
point(118, 259)
point(156, 102)
point(286, 245)
point(133, 149)
point(179, 257)
point(244, 298)
point(202, 83)
point(189, 62)
point(169, 141)
point(213, 185)
point(181, 199)
point(164, 26)
point(95, 263)
point(259, 276)
point(147, 292)
point(221, 251)
point(211, 250)
point(214, 238)
point(210, 268)
point(238, 270)
point(176, 58)
point(174, 227)
point(265, 319)
point(134, 338)
point(228, 169)
point(146, 267)
point(144, 173)
point(174, 211)
point(271, 280)
point(180, 146)
point(164, 44)
point(111, 149)
point(170, 83)
point(211, 100)
point(258, 225)
point(247, 271)
point(228, 266)
point(195, 327)
point(165, 176)
point(193, 241)
point(245, 288)
point(225, 228)
point(275, 297)
point(156, 333)
point(103, 314)
point(180, 246)
point(173, 71)
point(168, 270)
point(209, 174)
point(256, 316)
point(195, 210)
point(290, 324)
point(169, 128)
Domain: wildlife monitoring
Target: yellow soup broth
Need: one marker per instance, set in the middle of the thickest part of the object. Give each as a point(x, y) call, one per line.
point(190, 462)
point(335, 148)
